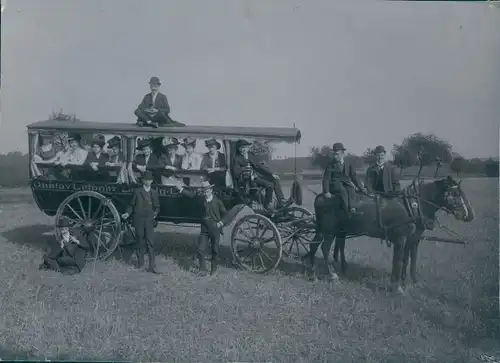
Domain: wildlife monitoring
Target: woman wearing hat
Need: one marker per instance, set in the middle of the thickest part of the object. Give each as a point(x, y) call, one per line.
point(190, 159)
point(381, 177)
point(170, 160)
point(75, 155)
point(144, 207)
point(46, 154)
point(214, 162)
point(69, 255)
point(116, 160)
point(262, 176)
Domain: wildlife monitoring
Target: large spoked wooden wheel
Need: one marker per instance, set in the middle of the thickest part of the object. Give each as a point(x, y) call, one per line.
point(256, 243)
point(296, 237)
point(96, 217)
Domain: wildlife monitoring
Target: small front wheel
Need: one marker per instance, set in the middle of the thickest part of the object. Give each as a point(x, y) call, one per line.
point(256, 243)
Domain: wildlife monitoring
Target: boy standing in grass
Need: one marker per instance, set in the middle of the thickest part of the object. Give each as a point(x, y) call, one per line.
point(144, 207)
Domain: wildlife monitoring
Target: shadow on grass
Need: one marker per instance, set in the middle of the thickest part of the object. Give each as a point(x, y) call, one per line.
point(31, 236)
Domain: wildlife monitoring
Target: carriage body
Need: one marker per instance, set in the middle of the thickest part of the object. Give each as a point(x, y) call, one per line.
point(80, 196)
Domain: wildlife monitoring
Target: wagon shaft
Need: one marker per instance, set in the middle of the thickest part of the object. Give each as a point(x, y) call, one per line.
point(442, 239)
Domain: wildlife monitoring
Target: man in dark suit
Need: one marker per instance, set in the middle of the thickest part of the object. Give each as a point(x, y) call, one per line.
point(147, 160)
point(381, 177)
point(214, 162)
point(154, 108)
point(244, 162)
point(97, 159)
point(211, 225)
point(144, 208)
point(340, 179)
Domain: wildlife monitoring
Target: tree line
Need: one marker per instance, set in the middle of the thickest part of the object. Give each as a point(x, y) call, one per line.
point(417, 148)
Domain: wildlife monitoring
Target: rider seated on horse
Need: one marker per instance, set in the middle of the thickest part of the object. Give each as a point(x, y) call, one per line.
point(340, 179)
point(381, 177)
point(246, 169)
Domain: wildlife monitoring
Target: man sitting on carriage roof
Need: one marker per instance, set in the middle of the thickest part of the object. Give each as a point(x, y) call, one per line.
point(154, 109)
point(247, 169)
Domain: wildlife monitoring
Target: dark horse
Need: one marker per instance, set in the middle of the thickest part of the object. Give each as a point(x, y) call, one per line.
point(399, 219)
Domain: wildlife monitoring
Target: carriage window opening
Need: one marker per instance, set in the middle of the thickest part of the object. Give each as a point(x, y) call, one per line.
point(79, 157)
point(191, 160)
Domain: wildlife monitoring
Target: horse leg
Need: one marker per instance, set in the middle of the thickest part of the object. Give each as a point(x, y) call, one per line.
point(325, 248)
point(340, 242)
point(308, 259)
point(336, 249)
point(397, 263)
point(406, 259)
point(413, 254)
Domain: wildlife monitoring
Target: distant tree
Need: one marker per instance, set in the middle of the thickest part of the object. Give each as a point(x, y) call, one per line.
point(432, 148)
point(355, 160)
point(321, 156)
point(369, 156)
point(263, 150)
point(458, 164)
point(491, 168)
point(403, 158)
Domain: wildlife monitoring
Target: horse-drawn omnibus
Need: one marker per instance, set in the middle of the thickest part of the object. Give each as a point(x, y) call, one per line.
point(72, 175)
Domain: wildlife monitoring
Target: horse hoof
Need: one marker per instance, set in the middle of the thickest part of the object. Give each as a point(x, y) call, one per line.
point(333, 277)
point(313, 278)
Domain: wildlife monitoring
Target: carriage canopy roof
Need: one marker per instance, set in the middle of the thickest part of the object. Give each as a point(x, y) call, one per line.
point(283, 134)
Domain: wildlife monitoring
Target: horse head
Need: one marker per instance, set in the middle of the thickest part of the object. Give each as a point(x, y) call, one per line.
point(451, 197)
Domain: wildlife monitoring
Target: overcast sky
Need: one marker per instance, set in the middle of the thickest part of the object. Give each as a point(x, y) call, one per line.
point(360, 72)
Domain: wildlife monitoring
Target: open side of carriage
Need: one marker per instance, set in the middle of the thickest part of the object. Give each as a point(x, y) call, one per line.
point(94, 199)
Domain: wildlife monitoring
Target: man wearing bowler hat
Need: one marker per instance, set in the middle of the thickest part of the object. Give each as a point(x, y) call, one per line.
point(340, 178)
point(154, 108)
point(381, 177)
point(214, 162)
point(144, 208)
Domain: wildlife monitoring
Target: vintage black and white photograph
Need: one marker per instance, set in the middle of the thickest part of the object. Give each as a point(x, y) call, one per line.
point(249, 181)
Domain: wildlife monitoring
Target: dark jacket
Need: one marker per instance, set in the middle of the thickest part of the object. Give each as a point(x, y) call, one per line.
point(335, 175)
point(165, 161)
point(153, 162)
point(206, 161)
point(382, 181)
point(240, 163)
point(91, 158)
point(139, 205)
point(161, 103)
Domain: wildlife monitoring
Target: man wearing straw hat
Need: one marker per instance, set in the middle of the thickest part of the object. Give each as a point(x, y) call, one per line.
point(211, 226)
point(69, 255)
point(144, 208)
point(154, 108)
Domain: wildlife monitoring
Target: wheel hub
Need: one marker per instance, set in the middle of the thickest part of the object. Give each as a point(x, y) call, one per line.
point(88, 225)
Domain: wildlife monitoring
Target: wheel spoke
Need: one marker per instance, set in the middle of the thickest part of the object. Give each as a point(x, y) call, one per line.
point(248, 255)
point(81, 207)
point(90, 206)
point(261, 261)
point(242, 240)
point(96, 213)
point(75, 212)
point(267, 256)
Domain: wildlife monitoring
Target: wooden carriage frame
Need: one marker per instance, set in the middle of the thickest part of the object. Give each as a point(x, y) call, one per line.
point(259, 240)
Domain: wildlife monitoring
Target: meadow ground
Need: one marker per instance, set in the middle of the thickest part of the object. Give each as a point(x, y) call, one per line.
point(112, 311)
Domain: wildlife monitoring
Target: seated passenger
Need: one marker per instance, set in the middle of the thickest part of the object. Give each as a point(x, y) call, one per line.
point(46, 154)
point(96, 157)
point(214, 162)
point(154, 108)
point(260, 174)
point(75, 155)
point(190, 159)
point(170, 160)
point(116, 159)
point(146, 160)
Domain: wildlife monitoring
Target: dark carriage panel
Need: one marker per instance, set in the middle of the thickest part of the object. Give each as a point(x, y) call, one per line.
point(174, 207)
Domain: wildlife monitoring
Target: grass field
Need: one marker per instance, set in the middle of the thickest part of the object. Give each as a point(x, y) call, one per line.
point(116, 312)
